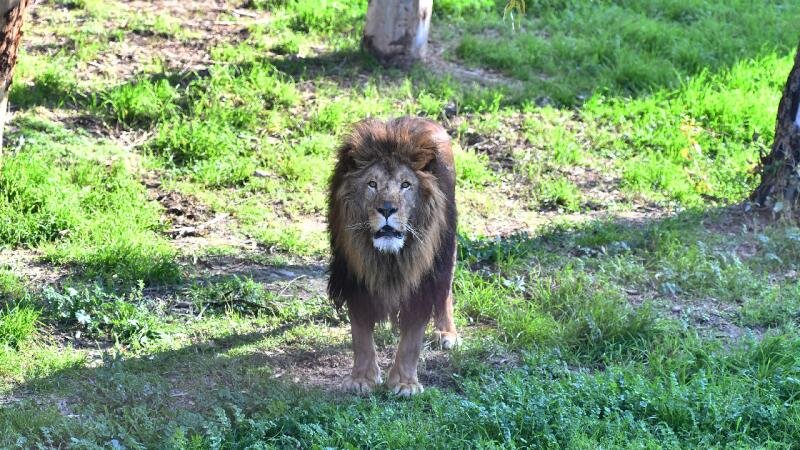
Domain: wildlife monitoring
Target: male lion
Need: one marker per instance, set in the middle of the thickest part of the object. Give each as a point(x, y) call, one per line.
point(392, 224)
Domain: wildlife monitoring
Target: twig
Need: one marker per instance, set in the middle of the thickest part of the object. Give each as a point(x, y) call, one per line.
point(237, 12)
point(242, 12)
point(280, 294)
point(194, 231)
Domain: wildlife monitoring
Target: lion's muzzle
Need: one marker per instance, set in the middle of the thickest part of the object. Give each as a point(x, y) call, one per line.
point(388, 238)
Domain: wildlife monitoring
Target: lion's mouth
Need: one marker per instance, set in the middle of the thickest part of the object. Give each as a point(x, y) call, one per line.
point(388, 231)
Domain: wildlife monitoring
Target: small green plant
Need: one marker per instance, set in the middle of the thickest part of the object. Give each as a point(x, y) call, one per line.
point(242, 295)
point(98, 313)
point(141, 103)
point(431, 105)
point(288, 46)
point(560, 193)
point(12, 287)
point(329, 118)
point(473, 168)
point(17, 324)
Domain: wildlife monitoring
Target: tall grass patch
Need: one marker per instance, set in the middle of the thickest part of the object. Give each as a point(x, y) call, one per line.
point(564, 309)
point(17, 324)
point(697, 144)
point(142, 102)
point(84, 208)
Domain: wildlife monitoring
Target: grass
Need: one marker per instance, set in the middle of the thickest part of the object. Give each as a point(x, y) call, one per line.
point(608, 293)
point(76, 199)
point(566, 51)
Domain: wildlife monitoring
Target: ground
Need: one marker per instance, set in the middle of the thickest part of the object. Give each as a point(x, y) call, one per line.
point(163, 245)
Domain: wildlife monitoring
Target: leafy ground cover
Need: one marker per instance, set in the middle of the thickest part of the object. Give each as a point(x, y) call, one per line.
point(162, 241)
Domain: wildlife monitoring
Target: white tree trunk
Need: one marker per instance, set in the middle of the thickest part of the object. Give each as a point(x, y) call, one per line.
point(11, 12)
point(396, 31)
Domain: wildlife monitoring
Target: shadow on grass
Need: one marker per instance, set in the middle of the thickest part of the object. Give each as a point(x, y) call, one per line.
point(144, 397)
point(147, 399)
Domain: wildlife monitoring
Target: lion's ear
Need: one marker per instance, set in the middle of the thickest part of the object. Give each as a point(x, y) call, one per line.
point(358, 147)
point(345, 156)
point(424, 159)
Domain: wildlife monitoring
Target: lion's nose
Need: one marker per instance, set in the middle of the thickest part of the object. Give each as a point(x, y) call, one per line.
point(387, 210)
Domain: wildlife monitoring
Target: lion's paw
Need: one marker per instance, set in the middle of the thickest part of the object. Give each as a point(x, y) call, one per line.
point(360, 385)
point(448, 340)
point(407, 389)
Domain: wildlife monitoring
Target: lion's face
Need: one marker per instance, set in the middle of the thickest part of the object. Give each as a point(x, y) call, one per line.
point(387, 197)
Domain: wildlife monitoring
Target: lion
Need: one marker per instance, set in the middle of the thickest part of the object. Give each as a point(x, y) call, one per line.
point(392, 226)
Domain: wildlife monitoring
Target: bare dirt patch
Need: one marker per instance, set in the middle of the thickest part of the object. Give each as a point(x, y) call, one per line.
point(324, 369)
point(193, 28)
point(29, 266)
point(439, 62)
point(192, 225)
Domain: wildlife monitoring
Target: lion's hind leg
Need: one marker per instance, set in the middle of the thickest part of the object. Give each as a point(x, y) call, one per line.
point(446, 332)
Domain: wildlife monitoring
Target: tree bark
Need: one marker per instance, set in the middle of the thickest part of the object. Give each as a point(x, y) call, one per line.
point(396, 32)
point(779, 190)
point(11, 13)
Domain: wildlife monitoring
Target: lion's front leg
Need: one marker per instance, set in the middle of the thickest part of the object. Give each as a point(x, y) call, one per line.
point(403, 374)
point(366, 374)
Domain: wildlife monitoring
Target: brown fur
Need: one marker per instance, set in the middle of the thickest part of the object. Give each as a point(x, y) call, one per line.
point(389, 280)
point(408, 283)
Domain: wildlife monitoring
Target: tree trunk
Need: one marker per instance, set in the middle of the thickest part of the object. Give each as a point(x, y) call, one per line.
point(779, 190)
point(11, 12)
point(396, 32)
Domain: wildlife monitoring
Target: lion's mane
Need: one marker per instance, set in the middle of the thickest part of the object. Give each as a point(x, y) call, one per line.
point(376, 283)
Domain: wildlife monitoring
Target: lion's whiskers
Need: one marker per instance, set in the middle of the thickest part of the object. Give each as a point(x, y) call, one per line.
point(358, 226)
point(413, 232)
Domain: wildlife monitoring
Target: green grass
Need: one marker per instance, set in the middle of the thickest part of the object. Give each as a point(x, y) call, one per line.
point(73, 197)
point(141, 102)
point(568, 50)
point(608, 293)
point(560, 194)
point(17, 324)
point(12, 287)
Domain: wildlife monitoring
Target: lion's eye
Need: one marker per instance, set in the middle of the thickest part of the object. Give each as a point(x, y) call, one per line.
point(373, 185)
point(405, 185)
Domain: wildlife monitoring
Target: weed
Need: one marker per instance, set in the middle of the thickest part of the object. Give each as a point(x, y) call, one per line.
point(242, 295)
point(12, 287)
point(560, 193)
point(17, 324)
point(142, 102)
point(96, 312)
point(473, 169)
